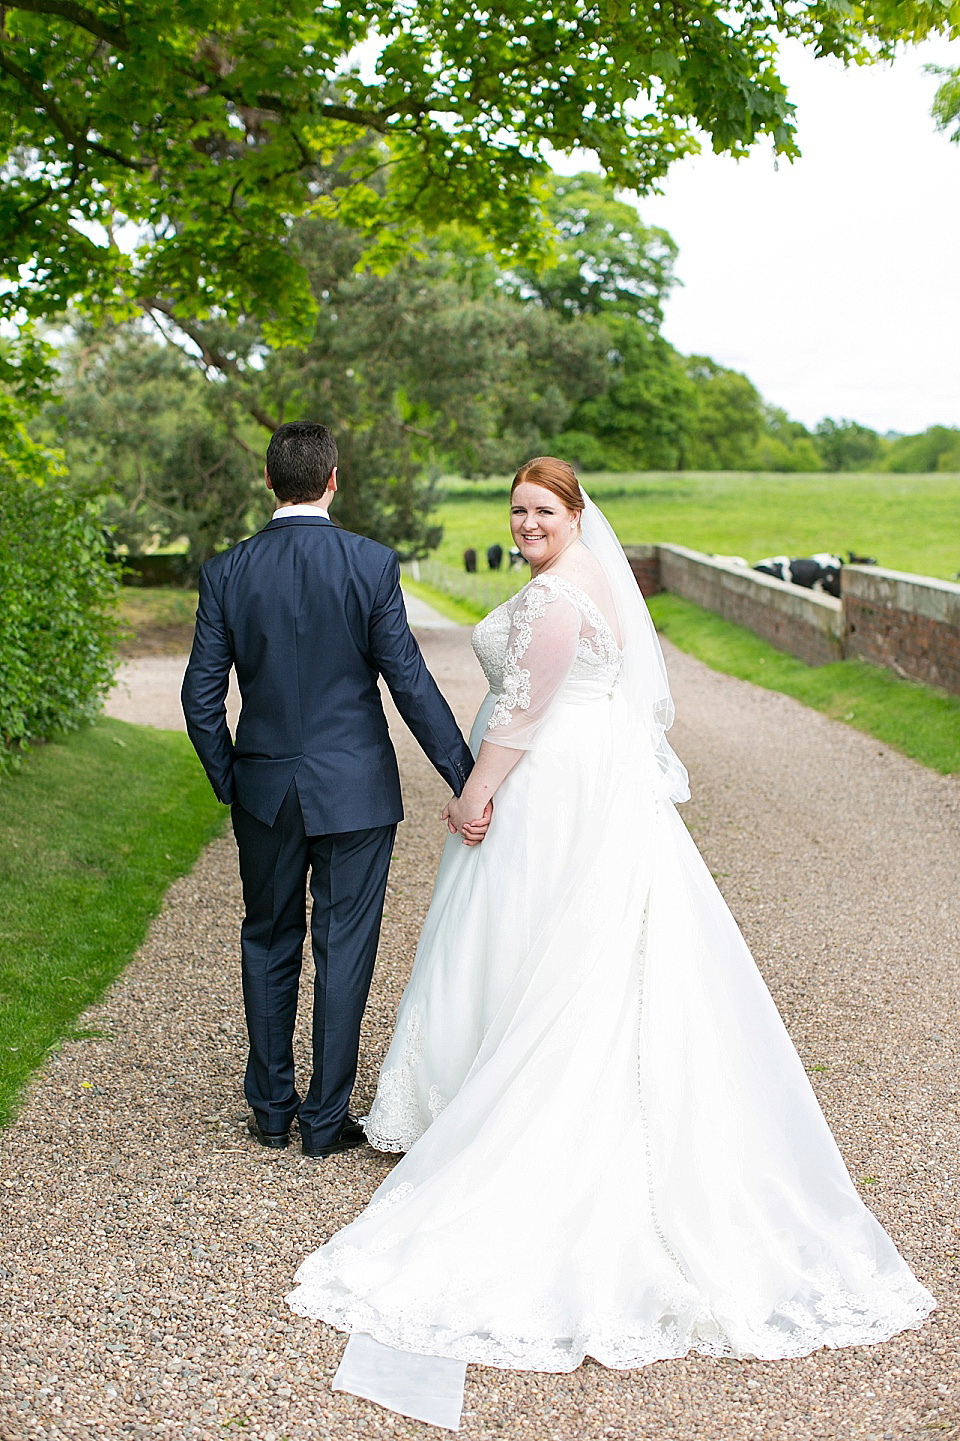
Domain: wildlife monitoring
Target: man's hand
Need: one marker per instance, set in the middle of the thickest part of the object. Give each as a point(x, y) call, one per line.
point(472, 831)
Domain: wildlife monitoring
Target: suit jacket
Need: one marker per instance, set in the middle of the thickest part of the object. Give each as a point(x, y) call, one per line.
point(311, 616)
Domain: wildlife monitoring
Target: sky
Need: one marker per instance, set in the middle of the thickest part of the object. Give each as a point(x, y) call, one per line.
point(834, 282)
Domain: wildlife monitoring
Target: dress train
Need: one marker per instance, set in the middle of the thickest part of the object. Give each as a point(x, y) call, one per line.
point(612, 1146)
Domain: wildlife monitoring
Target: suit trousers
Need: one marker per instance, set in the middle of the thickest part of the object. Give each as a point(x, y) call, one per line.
point(348, 879)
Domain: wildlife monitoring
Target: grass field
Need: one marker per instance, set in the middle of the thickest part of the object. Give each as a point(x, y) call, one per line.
point(907, 522)
point(93, 829)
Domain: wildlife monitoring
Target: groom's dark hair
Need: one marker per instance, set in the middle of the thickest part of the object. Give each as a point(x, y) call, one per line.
point(300, 457)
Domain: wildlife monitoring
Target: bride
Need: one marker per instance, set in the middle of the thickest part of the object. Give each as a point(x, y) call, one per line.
point(612, 1147)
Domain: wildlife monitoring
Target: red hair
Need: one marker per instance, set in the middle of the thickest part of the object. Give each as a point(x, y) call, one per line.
point(554, 475)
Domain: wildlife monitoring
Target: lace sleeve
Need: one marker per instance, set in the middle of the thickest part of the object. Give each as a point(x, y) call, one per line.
point(541, 649)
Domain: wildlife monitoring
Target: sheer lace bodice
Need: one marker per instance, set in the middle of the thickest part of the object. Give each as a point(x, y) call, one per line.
point(549, 640)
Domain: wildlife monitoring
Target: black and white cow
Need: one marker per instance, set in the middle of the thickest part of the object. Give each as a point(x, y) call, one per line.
point(813, 572)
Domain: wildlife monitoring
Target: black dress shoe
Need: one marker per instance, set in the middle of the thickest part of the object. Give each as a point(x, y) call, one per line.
point(277, 1140)
point(350, 1135)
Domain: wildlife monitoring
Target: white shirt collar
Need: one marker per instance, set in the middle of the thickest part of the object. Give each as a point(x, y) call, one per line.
point(289, 511)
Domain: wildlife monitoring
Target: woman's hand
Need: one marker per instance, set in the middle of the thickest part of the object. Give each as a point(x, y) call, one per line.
point(458, 818)
point(469, 813)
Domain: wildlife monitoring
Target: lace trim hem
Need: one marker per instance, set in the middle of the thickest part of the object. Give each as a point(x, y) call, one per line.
point(396, 1120)
point(394, 1145)
point(907, 1304)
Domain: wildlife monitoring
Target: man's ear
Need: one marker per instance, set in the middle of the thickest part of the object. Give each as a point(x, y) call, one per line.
point(266, 479)
point(332, 482)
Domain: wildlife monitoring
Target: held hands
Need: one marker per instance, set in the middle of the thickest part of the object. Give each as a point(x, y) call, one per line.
point(472, 831)
point(468, 815)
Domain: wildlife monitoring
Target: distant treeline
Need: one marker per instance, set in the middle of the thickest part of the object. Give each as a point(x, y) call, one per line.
point(447, 363)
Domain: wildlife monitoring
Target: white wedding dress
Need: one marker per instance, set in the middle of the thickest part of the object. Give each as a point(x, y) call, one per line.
point(612, 1146)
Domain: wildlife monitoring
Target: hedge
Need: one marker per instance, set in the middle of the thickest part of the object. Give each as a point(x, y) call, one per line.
point(57, 597)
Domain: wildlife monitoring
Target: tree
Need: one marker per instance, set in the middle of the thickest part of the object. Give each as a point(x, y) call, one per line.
point(165, 449)
point(416, 374)
point(412, 372)
point(728, 417)
point(937, 448)
point(156, 154)
point(845, 445)
point(611, 272)
point(644, 418)
point(784, 444)
point(605, 260)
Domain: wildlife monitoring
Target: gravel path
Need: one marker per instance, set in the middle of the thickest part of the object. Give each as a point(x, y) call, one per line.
point(148, 1246)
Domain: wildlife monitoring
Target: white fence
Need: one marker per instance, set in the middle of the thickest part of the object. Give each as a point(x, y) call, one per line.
point(483, 588)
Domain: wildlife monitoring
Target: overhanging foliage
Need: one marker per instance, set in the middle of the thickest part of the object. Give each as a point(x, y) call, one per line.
point(156, 154)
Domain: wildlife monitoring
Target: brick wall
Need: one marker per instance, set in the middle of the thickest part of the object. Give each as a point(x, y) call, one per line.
point(645, 564)
point(909, 623)
point(801, 622)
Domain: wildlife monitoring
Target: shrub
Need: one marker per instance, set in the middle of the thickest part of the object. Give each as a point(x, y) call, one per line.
point(937, 448)
point(57, 597)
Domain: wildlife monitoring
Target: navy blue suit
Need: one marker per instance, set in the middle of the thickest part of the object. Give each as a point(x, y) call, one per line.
point(310, 616)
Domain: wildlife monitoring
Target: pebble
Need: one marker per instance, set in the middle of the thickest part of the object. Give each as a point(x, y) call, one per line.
point(148, 1244)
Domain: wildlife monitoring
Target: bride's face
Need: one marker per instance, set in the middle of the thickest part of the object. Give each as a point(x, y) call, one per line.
point(541, 525)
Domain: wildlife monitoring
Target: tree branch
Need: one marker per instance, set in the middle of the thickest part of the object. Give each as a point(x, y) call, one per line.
point(36, 204)
point(215, 359)
point(239, 440)
point(77, 138)
point(44, 101)
point(369, 119)
point(77, 15)
point(211, 471)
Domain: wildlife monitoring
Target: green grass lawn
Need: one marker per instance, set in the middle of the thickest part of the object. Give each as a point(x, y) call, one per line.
point(93, 829)
point(156, 620)
point(464, 612)
point(908, 522)
point(157, 605)
point(916, 719)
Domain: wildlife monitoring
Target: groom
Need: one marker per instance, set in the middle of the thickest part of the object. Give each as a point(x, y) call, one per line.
point(310, 615)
